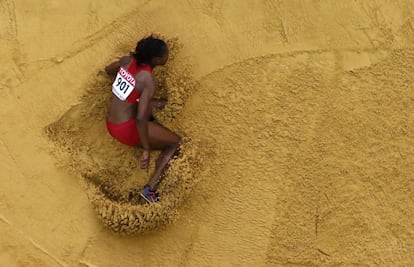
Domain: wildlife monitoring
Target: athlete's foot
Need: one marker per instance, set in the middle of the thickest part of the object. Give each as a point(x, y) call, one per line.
point(149, 195)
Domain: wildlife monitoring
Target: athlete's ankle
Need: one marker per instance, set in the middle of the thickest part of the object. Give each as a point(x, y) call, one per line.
point(151, 188)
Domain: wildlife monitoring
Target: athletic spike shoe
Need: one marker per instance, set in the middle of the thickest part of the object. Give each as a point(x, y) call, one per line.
point(148, 195)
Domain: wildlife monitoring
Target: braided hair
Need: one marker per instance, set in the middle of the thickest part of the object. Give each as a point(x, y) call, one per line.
point(148, 48)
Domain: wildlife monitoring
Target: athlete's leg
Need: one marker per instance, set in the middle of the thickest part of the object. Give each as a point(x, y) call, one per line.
point(168, 142)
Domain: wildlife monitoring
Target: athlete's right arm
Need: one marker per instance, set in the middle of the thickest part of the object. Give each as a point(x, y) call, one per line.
point(143, 114)
point(113, 68)
point(144, 108)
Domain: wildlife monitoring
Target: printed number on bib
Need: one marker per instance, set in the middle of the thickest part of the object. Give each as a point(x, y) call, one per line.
point(124, 84)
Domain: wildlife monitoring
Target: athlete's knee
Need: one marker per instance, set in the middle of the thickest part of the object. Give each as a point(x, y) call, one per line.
point(176, 142)
point(173, 141)
point(179, 139)
point(176, 138)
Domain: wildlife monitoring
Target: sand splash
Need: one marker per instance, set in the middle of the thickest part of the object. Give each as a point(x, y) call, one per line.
point(109, 169)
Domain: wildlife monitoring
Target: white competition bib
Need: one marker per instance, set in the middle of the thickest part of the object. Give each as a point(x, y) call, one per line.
point(124, 84)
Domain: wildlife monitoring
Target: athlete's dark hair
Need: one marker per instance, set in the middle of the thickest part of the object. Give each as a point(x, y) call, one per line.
point(148, 48)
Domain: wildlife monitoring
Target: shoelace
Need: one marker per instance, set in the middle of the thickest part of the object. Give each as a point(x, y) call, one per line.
point(154, 195)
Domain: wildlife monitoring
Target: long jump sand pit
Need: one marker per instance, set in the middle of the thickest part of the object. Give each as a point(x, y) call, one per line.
point(109, 169)
point(297, 119)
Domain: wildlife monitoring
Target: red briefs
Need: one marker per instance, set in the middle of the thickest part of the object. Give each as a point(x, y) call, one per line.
point(125, 132)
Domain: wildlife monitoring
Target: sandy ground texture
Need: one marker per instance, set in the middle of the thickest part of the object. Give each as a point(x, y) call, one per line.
point(297, 118)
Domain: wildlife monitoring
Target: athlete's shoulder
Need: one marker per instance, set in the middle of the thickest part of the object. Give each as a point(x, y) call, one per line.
point(144, 79)
point(144, 76)
point(124, 61)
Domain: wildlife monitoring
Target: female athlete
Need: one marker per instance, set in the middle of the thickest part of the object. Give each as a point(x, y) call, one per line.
point(131, 106)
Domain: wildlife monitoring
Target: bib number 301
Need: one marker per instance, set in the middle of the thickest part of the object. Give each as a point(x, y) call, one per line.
point(124, 84)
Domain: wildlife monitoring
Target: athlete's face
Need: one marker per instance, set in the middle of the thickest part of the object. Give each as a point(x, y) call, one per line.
point(164, 58)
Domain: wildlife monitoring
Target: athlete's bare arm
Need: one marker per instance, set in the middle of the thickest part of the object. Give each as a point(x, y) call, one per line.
point(143, 114)
point(113, 68)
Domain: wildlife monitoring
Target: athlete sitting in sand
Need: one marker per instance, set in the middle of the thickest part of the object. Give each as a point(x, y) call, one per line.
point(130, 110)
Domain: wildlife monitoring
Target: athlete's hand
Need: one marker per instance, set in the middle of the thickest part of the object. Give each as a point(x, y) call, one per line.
point(145, 159)
point(158, 103)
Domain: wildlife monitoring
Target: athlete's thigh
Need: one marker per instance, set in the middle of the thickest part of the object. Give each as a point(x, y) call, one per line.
point(160, 137)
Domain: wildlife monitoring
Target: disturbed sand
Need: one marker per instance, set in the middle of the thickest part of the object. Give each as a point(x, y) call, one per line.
point(297, 118)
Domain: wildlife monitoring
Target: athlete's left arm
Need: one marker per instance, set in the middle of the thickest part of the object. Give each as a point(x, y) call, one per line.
point(113, 68)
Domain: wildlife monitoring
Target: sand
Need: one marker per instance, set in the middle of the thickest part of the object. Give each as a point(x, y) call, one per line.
point(297, 118)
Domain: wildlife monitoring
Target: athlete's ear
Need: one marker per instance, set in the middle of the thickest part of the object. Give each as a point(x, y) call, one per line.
point(158, 60)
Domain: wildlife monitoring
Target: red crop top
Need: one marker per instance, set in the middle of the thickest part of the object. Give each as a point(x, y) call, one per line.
point(133, 69)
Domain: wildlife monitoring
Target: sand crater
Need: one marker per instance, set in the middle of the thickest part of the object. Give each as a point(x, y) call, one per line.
point(109, 169)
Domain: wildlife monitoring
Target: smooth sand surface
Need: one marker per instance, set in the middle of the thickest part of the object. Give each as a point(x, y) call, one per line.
point(297, 118)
